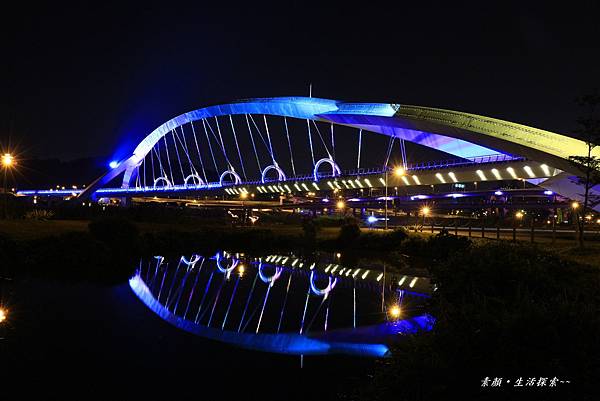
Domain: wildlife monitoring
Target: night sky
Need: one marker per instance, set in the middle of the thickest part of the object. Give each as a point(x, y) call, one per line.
point(92, 80)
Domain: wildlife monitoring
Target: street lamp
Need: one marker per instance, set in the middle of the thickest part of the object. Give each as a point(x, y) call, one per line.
point(398, 172)
point(425, 210)
point(8, 161)
point(394, 312)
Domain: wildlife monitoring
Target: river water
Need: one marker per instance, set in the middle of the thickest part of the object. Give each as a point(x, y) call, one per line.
point(80, 341)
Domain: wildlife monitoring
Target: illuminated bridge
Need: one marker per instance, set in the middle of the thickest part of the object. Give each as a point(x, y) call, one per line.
point(296, 146)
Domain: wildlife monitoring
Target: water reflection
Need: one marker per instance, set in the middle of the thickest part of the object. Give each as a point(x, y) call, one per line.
point(282, 303)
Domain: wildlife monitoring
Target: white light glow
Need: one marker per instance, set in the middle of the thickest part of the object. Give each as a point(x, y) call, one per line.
point(529, 171)
point(545, 169)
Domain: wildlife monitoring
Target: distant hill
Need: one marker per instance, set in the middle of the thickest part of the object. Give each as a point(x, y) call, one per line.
point(48, 173)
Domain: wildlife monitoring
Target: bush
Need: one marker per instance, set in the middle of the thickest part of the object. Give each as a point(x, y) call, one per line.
point(348, 235)
point(502, 310)
point(39, 214)
point(121, 238)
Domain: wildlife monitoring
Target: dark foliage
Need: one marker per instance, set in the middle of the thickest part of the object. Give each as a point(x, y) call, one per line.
point(502, 311)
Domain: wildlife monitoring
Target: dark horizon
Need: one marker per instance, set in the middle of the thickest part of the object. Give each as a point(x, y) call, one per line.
point(91, 83)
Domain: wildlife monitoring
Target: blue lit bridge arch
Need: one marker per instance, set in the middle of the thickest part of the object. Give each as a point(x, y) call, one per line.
point(291, 144)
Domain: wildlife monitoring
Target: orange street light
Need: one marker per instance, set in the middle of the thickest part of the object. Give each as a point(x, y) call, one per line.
point(7, 160)
point(399, 171)
point(395, 312)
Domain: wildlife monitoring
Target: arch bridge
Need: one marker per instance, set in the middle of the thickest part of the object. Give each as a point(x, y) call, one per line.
point(295, 145)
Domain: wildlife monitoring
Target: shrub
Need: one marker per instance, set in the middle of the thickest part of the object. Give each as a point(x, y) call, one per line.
point(39, 214)
point(348, 235)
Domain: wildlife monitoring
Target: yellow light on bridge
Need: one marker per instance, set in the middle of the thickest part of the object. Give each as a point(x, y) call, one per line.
point(244, 195)
point(395, 311)
point(425, 210)
point(3, 314)
point(340, 204)
point(519, 215)
point(399, 171)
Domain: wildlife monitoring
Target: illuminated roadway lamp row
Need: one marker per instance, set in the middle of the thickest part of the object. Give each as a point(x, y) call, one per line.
point(497, 174)
point(358, 183)
point(236, 191)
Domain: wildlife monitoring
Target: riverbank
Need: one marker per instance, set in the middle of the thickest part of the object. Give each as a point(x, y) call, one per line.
point(503, 310)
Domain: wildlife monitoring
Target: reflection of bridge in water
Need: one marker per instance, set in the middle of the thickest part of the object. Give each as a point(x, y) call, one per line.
point(283, 304)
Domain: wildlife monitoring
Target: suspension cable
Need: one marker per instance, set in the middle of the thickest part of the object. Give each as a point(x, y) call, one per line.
point(223, 143)
point(199, 155)
point(152, 162)
point(210, 147)
point(269, 138)
point(144, 170)
point(259, 132)
point(168, 158)
point(186, 150)
point(403, 151)
point(322, 140)
point(163, 173)
point(389, 151)
point(238, 148)
point(312, 153)
point(287, 133)
point(253, 144)
point(177, 152)
point(359, 147)
point(332, 142)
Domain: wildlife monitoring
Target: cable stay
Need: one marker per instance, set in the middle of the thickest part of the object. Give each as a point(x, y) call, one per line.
point(222, 144)
point(403, 152)
point(389, 151)
point(177, 152)
point(322, 140)
point(287, 133)
point(238, 148)
point(269, 138)
point(359, 147)
point(199, 155)
point(312, 153)
point(210, 147)
point(183, 143)
point(253, 144)
point(168, 158)
point(260, 134)
point(332, 142)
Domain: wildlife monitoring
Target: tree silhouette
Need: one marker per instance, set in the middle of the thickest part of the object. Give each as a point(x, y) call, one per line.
point(589, 165)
